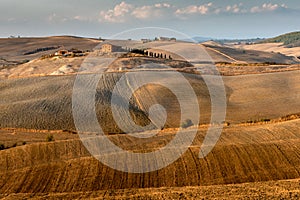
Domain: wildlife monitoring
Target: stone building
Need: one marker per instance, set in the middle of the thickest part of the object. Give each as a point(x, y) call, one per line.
point(109, 48)
point(166, 39)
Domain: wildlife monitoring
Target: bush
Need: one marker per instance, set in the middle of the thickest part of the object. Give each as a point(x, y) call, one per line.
point(257, 121)
point(50, 138)
point(2, 147)
point(187, 123)
point(226, 123)
point(265, 120)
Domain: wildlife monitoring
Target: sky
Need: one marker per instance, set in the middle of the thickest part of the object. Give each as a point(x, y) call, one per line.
point(218, 19)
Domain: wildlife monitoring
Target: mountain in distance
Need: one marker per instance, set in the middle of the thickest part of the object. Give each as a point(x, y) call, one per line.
point(202, 39)
point(289, 40)
point(226, 41)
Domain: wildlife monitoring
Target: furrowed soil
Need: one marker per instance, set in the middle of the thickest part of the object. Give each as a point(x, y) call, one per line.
point(256, 157)
point(46, 102)
point(243, 154)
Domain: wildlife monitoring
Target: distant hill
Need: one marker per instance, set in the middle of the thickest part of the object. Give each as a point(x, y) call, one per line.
point(289, 39)
point(221, 53)
point(202, 39)
point(16, 50)
point(225, 41)
point(239, 41)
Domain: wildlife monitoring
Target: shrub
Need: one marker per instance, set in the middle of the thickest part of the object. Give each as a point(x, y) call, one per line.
point(226, 123)
point(187, 123)
point(2, 147)
point(50, 138)
point(260, 120)
point(25, 61)
point(265, 120)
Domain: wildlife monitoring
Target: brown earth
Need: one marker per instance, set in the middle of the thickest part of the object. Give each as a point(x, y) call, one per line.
point(257, 145)
point(239, 55)
point(21, 64)
point(45, 102)
point(15, 49)
point(286, 189)
point(243, 154)
point(272, 47)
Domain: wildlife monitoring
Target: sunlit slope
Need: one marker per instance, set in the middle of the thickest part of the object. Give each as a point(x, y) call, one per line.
point(18, 49)
point(289, 39)
point(285, 189)
point(263, 96)
point(239, 55)
point(46, 102)
point(243, 154)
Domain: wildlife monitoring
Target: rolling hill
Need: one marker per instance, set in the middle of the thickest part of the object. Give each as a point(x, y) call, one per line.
point(243, 154)
point(45, 102)
point(20, 49)
point(251, 160)
point(289, 39)
point(239, 55)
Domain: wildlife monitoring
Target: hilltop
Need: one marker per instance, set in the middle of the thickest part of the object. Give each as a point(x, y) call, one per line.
point(287, 44)
point(24, 57)
point(19, 50)
point(288, 39)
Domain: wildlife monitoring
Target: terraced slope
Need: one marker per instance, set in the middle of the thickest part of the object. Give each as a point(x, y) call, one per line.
point(243, 154)
point(286, 189)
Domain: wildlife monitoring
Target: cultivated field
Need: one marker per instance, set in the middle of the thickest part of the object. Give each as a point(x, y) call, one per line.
point(287, 189)
point(42, 156)
point(45, 102)
point(272, 47)
point(251, 153)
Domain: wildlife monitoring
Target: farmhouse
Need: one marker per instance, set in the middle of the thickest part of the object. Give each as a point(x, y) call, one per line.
point(108, 48)
point(166, 39)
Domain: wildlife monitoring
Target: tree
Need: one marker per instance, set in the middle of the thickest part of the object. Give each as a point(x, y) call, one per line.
point(2, 147)
point(187, 123)
point(50, 138)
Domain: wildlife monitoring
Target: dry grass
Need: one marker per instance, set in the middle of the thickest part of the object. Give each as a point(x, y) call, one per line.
point(23, 45)
point(218, 53)
point(272, 47)
point(243, 154)
point(45, 102)
point(246, 155)
point(287, 189)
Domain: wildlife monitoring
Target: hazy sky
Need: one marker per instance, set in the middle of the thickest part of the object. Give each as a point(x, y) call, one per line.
point(98, 18)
